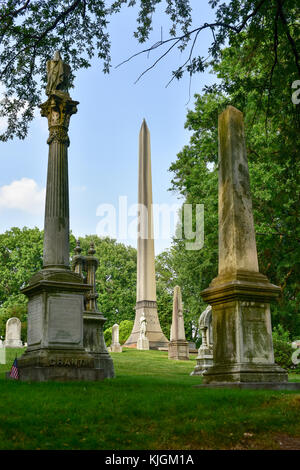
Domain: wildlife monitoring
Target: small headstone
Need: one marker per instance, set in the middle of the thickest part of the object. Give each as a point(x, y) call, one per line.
point(115, 345)
point(143, 342)
point(2, 353)
point(205, 352)
point(178, 345)
point(13, 333)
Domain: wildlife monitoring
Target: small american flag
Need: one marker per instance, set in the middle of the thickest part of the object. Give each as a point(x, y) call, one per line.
point(14, 373)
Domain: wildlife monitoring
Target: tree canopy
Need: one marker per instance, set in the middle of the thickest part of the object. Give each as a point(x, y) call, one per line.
point(31, 30)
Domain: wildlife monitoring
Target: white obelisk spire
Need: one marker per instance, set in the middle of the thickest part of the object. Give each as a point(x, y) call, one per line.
point(146, 284)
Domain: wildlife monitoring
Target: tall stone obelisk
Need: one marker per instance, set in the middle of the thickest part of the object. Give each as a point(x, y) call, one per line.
point(240, 296)
point(56, 294)
point(146, 283)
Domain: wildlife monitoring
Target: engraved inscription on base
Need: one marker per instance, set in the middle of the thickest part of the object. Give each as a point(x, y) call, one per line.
point(65, 318)
point(35, 320)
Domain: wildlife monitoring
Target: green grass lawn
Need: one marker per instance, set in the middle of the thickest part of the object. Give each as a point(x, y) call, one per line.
point(151, 404)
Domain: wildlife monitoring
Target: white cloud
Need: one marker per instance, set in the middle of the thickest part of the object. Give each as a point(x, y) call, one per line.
point(23, 194)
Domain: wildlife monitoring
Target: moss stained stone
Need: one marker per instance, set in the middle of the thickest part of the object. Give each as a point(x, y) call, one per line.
point(240, 296)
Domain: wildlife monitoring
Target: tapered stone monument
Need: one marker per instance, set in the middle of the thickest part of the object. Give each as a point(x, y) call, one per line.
point(93, 319)
point(240, 296)
point(56, 294)
point(178, 345)
point(146, 283)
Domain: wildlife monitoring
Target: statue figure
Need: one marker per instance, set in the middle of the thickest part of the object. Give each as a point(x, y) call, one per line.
point(58, 73)
point(143, 326)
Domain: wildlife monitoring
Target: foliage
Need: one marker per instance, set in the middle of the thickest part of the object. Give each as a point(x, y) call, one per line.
point(30, 32)
point(115, 278)
point(108, 336)
point(20, 257)
point(283, 349)
point(125, 329)
point(19, 311)
point(283, 353)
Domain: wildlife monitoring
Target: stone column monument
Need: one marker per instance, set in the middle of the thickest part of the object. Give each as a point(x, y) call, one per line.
point(178, 345)
point(146, 283)
point(115, 345)
point(93, 320)
point(56, 294)
point(13, 333)
point(240, 296)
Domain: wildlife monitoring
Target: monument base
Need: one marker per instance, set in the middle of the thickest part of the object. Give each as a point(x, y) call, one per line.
point(57, 365)
point(245, 373)
point(55, 329)
point(204, 361)
point(179, 350)
point(13, 343)
point(143, 344)
point(94, 343)
point(116, 347)
point(253, 385)
point(154, 332)
point(242, 332)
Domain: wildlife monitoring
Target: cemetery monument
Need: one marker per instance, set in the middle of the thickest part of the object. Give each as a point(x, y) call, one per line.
point(146, 283)
point(56, 294)
point(240, 295)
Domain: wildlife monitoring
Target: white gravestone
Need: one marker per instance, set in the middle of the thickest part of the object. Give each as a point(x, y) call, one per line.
point(13, 333)
point(115, 345)
point(143, 342)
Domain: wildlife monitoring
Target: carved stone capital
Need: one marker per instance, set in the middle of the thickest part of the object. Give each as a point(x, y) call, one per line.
point(58, 109)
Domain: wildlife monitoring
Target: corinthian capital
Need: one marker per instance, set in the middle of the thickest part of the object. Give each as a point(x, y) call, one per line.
point(58, 109)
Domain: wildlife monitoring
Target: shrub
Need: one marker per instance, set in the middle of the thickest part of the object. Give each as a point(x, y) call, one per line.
point(125, 328)
point(283, 348)
point(107, 336)
point(283, 353)
point(19, 311)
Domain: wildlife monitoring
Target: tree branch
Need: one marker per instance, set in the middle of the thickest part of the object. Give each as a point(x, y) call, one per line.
point(288, 34)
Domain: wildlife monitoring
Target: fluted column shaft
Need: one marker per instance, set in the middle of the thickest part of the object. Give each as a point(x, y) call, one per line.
point(58, 109)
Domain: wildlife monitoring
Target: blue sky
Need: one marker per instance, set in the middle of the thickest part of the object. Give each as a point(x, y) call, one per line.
point(103, 155)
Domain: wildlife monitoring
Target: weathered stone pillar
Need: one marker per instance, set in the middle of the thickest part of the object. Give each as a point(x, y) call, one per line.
point(178, 346)
point(58, 110)
point(56, 294)
point(240, 296)
point(146, 283)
